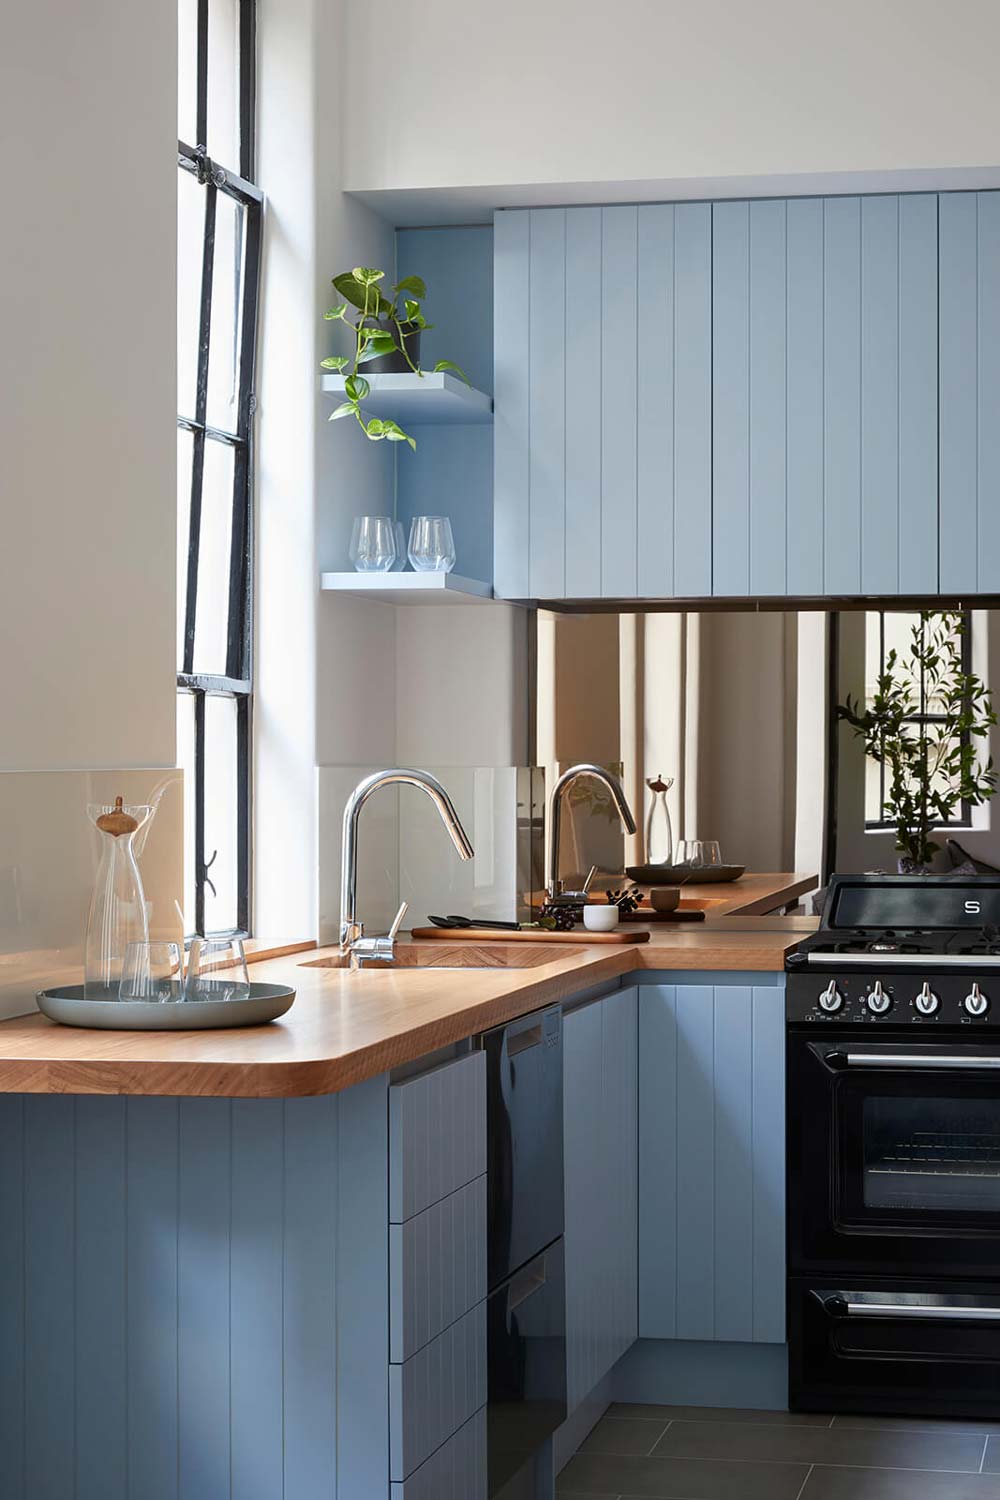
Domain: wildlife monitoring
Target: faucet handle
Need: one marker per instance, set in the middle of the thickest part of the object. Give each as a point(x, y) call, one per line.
point(397, 920)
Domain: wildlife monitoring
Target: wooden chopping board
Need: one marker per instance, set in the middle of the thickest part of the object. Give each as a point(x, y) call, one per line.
point(531, 935)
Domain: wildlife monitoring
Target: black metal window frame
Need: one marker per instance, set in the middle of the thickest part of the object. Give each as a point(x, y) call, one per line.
point(964, 818)
point(236, 682)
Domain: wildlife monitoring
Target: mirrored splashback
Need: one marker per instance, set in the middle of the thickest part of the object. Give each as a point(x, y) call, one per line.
point(736, 712)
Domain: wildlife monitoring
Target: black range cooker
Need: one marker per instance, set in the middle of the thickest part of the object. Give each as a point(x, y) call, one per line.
point(893, 1127)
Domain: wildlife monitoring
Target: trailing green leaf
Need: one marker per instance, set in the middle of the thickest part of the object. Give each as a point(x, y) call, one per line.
point(414, 284)
point(335, 362)
point(345, 409)
point(448, 364)
point(335, 312)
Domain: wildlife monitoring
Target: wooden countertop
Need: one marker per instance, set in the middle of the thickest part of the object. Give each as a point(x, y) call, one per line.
point(348, 1026)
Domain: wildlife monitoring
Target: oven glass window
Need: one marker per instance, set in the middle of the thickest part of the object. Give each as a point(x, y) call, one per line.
point(939, 1154)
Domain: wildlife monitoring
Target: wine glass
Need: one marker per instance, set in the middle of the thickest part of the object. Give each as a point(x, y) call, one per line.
point(373, 544)
point(432, 545)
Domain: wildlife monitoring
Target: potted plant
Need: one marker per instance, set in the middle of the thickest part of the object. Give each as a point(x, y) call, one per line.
point(386, 337)
point(934, 764)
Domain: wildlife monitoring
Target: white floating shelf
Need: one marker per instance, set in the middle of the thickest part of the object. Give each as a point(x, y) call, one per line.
point(409, 588)
point(440, 398)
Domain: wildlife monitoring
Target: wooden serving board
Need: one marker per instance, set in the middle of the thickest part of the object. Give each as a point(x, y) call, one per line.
point(494, 935)
point(679, 914)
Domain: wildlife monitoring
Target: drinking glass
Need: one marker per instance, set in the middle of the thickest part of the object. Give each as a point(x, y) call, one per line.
point(217, 970)
point(432, 546)
point(152, 971)
point(699, 853)
point(373, 544)
point(399, 561)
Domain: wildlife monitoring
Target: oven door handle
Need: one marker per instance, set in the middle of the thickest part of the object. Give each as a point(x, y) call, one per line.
point(845, 1308)
point(912, 1060)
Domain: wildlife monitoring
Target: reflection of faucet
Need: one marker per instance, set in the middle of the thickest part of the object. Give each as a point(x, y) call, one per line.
point(613, 785)
point(353, 943)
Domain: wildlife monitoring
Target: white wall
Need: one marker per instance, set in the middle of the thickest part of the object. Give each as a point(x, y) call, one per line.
point(87, 466)
point(695, 92)
point(87, 419)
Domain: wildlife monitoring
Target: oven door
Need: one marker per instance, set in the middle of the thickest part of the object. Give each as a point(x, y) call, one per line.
point(894, 1155)
point(888, 1347)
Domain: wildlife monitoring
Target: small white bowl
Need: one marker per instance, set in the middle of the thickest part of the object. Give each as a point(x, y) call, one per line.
point(600, 918)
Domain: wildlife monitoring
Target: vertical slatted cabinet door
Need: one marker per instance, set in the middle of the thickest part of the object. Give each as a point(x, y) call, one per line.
point(749, 398)
point(583, 430)
point(842, 395)
point(620, 1061)
point(692, 401)
point(804, 409)
point(547, 376)
point(618, 384)
point(584, 1197)
point(969, 330)
point(711, 1161)
point(899, 395)
point(654, 439)
point(511, 404)
point(12, 1289)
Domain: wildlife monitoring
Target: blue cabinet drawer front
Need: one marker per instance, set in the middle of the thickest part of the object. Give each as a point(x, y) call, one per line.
point(437, 1135)
point(457, 1471)
point(435, 1392)
point(437, 1268)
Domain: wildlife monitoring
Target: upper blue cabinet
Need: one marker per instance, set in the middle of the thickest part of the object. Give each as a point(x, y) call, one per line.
point(748, 399)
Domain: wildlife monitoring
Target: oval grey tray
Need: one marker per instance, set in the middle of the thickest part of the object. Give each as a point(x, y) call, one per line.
point(68, 1005)
point(684, 874)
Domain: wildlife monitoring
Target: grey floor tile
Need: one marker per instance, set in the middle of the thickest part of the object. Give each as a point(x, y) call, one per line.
point(991, 1461)
point(642, 1410)
point(579, 1495)
point(897, 1484)
point(682, 1478)
point(624, 1435)
point(822, 1445)
point(916, 1424)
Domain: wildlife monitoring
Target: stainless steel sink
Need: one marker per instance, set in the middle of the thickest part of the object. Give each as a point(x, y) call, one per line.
point(446, 955)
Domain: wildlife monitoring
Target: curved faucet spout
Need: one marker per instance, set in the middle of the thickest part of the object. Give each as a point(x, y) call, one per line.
point(614, 786)
point(350, 928)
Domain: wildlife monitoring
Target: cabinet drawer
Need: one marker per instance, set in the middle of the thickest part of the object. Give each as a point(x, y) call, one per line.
point(435, 1392)
point(457, 1471)
point(437, 1134)
point(437, 1268)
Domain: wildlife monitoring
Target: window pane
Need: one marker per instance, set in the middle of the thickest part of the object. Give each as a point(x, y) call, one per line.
point(227, 285)
point(185, 455)
point(187, 71)
point(223, 82)
point(221, 781)
point(185, 759)
point(212, 609)
point(190, 249)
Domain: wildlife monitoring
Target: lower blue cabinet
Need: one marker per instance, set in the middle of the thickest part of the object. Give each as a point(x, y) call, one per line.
point(600, 1042)
point(712, 1160)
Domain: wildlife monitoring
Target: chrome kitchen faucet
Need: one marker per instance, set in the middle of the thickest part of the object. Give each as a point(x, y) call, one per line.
point(614, 786)
point(353, 943)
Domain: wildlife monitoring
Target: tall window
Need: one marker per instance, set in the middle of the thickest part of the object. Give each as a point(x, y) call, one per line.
point(218, 262)
point(891, 630)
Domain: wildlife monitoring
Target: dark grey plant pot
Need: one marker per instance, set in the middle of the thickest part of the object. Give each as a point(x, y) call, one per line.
point(907, 866)
point(396, 363)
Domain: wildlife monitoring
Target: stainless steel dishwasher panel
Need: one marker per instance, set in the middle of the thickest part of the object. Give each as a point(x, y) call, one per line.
point(524, 1113)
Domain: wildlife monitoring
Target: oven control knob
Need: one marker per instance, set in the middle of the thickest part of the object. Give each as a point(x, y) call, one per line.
point(927, 1003)
point(877, 1001)
point(975, 1002)
point(831, 999)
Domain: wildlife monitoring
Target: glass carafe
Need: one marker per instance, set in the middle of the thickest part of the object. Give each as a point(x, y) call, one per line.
point(659, 833)
point(118, 914)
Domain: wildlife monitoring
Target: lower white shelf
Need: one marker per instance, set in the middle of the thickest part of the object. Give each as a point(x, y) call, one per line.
point(409, 588)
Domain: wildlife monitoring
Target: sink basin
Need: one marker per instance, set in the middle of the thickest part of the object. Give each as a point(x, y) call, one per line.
point(444, 955)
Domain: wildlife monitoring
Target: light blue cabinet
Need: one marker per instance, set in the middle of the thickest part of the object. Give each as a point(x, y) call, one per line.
point(603, 403)
point(600, 1052)
point(748, 399)
point(970, 392)
point(712, 1160)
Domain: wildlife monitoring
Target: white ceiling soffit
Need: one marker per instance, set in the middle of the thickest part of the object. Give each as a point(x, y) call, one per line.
point(413, 207)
